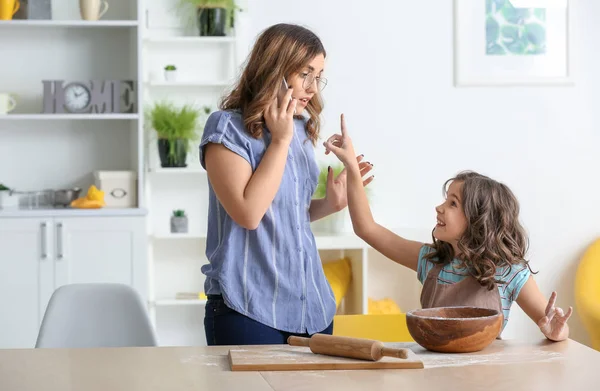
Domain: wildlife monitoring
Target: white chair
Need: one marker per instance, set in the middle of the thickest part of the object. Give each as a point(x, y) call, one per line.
point(95, 315)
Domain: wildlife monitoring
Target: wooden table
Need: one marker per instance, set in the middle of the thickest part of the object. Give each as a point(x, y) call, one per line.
point(504, 365)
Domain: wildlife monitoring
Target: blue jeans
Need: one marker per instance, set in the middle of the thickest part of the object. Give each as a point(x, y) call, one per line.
point(224, 326)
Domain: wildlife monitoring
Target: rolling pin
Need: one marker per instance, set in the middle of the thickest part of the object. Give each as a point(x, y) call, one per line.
point(331, 345)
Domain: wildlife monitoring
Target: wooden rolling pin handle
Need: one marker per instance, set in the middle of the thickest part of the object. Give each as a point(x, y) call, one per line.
point(298, 341)
point(398, 353)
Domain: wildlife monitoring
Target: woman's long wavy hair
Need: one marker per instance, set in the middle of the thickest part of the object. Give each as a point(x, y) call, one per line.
point(494, 237)
point(280, 51)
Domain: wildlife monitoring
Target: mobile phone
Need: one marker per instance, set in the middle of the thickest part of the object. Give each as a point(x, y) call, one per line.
point(282, 91)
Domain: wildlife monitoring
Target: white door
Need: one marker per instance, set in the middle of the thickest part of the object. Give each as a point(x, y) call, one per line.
point(26, 271)
point(101, 249)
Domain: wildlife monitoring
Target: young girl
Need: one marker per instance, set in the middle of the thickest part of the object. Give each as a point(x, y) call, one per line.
point(478, 253)
point(264, 280)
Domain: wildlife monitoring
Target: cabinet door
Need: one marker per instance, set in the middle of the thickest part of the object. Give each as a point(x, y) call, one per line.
point(101, 249)
point(26, 271)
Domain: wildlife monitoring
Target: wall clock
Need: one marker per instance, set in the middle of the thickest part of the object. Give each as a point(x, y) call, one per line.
point(93, 96)
point(78, 97)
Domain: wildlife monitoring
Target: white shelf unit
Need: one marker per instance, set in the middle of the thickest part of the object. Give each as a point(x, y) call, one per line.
point(177, 171)
point(189, 84)
point(176, 40)
point(101, 212)
point(67, 117)
point(57, 151)
point(179, 236)
point(181, 302)
point(68, 23)
point(335, 246)
point(46, 248)
point(205, 66)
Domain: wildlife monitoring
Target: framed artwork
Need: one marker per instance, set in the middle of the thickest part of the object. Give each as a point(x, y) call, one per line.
point(511, 42)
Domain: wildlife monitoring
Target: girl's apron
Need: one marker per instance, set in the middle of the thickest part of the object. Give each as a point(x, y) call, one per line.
point(467, 292)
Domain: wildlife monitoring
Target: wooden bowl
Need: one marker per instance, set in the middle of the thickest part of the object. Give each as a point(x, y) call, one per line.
point(454, 329)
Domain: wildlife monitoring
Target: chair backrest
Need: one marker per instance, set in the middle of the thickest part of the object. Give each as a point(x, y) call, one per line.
point(95, 315)
point(384, 327)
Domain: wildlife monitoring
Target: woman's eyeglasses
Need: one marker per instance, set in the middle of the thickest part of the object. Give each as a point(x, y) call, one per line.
point(309, 79)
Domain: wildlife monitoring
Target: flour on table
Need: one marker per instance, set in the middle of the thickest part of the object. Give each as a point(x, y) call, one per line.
point(495, 355)
point(435, 360)
point(208, 360)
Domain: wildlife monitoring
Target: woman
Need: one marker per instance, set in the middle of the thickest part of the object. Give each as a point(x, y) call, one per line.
point(264, 280)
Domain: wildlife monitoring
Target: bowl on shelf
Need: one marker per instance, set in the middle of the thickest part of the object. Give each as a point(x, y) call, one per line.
point(64, 197)
point(454, 329)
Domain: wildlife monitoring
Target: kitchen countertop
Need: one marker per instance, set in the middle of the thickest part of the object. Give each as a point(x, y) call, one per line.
point(504, 365)
point(71, 212)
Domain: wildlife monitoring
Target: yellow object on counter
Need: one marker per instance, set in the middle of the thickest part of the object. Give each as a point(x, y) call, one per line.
point(384, 306)
point(94, 199)
point(384, 328)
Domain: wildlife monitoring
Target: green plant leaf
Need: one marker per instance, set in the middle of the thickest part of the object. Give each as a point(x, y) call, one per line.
point(187, 9)
point(515, 15)
point(540, 14)
point(495, 49)
point(536, 34)
point(492, 30)
point(321, 189)
point(510, 33)
point(493, 6)
point(517, 47)
point(175, 123)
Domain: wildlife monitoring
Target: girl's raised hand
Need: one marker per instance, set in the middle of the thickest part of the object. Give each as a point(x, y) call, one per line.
point(554, 323)
point(341, 146)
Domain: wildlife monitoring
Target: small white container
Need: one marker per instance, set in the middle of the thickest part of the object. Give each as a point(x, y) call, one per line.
point(119, 187)
point(8, 199)
point(171, 76)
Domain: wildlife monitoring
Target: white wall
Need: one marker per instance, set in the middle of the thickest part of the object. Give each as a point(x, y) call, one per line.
point(390, 70)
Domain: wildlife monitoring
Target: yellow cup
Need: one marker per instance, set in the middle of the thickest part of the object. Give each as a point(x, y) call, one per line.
point(8, 8)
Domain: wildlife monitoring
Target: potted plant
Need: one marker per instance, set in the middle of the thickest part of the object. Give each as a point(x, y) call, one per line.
point(8, 197)
point(175, 128)
point(179, 222)
point(170, 73)
point(212, 17)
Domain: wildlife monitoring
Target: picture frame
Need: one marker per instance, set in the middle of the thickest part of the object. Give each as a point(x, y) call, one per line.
point(512, 43)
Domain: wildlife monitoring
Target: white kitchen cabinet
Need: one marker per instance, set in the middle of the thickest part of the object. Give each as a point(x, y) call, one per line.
point(102, 249)
point(26, 274)
point(41, 254)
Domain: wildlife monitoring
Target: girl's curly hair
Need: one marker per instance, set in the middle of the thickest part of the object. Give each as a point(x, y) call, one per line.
point(494, 237)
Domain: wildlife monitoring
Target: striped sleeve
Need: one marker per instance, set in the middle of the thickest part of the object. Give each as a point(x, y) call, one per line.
point(515, 280)
point(424, 265)
point(220, 130)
